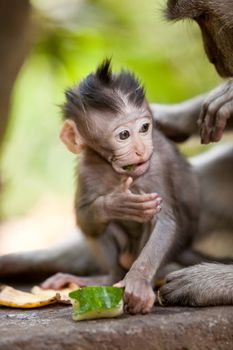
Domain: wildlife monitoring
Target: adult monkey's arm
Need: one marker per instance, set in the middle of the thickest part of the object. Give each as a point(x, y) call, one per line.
point(179, 121)
point(207, 114)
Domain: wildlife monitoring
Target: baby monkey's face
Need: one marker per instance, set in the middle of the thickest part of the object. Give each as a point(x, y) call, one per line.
point(129, 141)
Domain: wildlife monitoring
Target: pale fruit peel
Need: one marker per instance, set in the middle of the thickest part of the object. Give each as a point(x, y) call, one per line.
point(12, 297)
point(38, 297)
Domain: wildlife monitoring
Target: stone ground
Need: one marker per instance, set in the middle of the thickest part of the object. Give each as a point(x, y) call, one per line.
point(167, 328)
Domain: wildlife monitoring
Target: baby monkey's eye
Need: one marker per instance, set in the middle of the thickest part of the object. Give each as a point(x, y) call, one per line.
point(124, 135)
point(144, 127)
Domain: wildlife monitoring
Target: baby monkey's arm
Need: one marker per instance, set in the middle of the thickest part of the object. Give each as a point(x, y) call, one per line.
point(120, 204)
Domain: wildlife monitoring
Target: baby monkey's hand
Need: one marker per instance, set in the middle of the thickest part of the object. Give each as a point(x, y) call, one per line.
point(124, 205)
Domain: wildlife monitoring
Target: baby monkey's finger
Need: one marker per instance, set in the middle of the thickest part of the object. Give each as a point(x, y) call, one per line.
point(140, 198)
point(127, 184)
point(144, 205)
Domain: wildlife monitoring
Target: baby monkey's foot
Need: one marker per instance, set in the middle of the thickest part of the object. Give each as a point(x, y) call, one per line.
point(60, 280)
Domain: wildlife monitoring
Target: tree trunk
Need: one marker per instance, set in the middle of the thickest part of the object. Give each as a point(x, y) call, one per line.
point(14, 44)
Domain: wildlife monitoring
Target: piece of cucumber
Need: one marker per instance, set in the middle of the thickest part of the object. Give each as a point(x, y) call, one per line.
point(130, 167)
point(96, 302)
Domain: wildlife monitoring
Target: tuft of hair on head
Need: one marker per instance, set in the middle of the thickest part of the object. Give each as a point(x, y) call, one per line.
point(104, 71)
point(103, 91)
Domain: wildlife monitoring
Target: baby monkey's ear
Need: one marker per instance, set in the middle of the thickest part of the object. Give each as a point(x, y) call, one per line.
point(71, 137)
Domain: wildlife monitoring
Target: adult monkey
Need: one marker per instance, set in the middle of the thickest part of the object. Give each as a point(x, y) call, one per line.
point(207, 284)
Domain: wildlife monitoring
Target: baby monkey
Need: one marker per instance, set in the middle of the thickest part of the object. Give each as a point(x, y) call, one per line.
point(126, 167)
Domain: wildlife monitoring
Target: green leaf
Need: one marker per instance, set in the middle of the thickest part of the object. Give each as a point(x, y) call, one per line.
point(96, 302)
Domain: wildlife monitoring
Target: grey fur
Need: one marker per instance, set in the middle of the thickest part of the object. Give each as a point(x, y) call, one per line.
point(209, 284)
point(199, 285)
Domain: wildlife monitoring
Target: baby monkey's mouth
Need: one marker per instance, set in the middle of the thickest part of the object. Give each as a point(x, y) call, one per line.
point(131, 167)
point(136, 169)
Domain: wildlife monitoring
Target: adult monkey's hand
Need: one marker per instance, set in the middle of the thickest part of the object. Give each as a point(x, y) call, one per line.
point(216, 110)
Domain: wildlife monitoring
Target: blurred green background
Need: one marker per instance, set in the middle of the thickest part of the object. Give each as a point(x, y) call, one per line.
point(70, 37)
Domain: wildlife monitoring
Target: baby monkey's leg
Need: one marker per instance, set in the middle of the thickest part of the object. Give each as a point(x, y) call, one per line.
point(106, 252)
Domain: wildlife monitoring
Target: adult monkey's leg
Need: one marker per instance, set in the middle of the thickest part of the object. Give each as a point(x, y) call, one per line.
point(73, 256)
point(199, 285)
